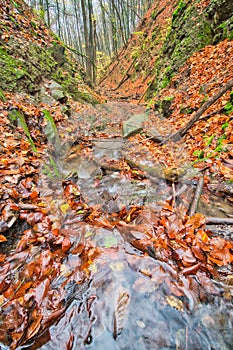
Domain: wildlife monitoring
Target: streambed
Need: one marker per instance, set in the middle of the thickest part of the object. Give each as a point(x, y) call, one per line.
point(112, 289)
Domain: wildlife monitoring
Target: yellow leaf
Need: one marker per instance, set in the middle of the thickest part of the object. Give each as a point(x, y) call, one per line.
point(175, 302)
point(2, 299)
point(64, 207)
point(140, 324)
point(117, 266)
point(92, 267)
point(64, 271)
point(88, 234)
point(205, 238)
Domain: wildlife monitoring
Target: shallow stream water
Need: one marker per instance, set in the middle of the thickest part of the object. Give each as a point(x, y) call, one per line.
point(131, 300)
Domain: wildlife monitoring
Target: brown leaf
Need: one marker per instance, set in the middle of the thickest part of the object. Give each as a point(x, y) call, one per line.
point(120, 313)
point(191, 270)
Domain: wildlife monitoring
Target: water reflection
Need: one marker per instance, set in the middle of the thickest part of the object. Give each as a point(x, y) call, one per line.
point(137, 302)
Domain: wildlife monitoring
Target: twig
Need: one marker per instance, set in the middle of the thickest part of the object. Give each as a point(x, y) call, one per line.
point(197, 195)
point(80, 54)
point(206, 117)
point(186, 337)
point(173, 195)
point(148, 87)
point(219, 221)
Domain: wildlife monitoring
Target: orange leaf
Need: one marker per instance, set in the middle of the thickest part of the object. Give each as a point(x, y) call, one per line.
point(2, 238)
point(196, 220)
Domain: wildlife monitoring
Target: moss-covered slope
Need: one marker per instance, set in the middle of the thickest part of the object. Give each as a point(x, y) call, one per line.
point(30, 53)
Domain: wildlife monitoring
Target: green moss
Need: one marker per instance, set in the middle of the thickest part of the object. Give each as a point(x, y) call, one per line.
point(15, 115)
point(187, 32)
point(181, 6)
point(24, 66)
point(2, 96)
point(224, 30)
point(228, 108)
point(154, 34)
point(84, 96)
point(11, 70)
point(153, 14)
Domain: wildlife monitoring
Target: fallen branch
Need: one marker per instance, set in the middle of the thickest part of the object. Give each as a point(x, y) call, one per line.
point(180, 133)
point(197, 195)
point(219, 221)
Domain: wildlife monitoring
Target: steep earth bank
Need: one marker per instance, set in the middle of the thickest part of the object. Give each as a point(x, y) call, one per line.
point(30, 54)
point(167, 36)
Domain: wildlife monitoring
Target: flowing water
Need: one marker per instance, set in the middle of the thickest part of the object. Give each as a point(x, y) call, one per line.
point(131, 299)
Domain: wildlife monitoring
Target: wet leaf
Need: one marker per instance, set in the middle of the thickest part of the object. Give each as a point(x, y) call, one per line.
point(64, 207)
point(142, 285)
point(92, 267)
point(140, 324)
point(191, 269)
point(2, 238)
point(110, 241)
point(64, 271)
point(175, 302)
point(88, 234)
point(120, 313)
point(117, 266)
point(196, 221)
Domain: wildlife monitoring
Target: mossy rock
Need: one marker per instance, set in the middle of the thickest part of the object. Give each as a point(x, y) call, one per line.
point(164, 106)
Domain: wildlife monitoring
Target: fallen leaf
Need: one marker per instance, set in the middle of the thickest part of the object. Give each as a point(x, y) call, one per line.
point(175, 302)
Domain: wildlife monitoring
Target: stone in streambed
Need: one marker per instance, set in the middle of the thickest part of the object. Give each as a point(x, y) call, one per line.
point(134, 125)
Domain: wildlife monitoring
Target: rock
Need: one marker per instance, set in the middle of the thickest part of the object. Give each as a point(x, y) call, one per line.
point(84, 168)
point(165, 106)
point(134, 125)
point(154, 135)
point(57, 92)
point(108, 149)
point(88, 169)
point(54, 85)
point(220, 10)
point(58, 53)
point(45, 97)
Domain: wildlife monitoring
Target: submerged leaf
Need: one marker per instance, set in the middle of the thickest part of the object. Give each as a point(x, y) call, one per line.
point(110, 241)
point(64, 207)
point(120, 313)
point(175, 302)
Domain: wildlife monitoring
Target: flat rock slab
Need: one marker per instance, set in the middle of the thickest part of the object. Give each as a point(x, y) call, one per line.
point(134, 125)
point(108, 149)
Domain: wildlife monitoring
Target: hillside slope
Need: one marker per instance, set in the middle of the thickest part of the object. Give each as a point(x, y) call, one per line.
point(167, 36)
point(30, 53)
